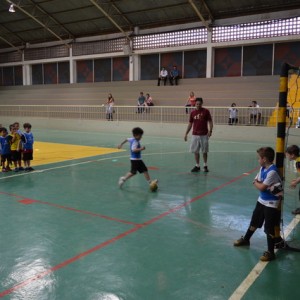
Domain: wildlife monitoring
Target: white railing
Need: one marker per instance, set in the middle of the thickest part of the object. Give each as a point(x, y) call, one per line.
point(157, 114)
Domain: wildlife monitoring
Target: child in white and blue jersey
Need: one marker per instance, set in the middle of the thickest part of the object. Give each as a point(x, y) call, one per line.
point(137, 164)
point(27, 140)
point(268, 205)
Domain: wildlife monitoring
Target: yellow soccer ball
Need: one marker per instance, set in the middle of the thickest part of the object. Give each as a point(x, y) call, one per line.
point(153, 186)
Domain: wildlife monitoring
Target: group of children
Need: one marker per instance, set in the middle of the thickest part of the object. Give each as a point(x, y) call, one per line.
point(15, 147)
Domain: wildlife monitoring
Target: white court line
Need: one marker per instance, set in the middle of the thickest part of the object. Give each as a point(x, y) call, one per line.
point(82, 163)
point(108, 158)
point(259, 267)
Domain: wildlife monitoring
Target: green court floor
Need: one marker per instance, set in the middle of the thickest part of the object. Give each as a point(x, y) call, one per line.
point(69, 233)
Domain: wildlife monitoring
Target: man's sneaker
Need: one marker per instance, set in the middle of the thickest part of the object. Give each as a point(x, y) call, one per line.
point(16, 170)
point(195, 169)
point(241, 242)
point(206, 169)
point(121, 181)
point(296, 211)
point(30, 169)
point(21, 169)
point(4, 170)
point(267, 256)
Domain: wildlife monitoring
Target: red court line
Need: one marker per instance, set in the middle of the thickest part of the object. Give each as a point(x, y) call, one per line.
point(116, 238)
point(67, 262)
point(30, 201)
point(87, 213)
point(178, 207)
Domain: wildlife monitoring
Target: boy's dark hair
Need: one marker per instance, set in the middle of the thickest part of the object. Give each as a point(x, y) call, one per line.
point(266, 152)
point(3, 129)
point(26, 125)
point(11, 126)
point(199, 99)
point(293, 150)
point(137, 131)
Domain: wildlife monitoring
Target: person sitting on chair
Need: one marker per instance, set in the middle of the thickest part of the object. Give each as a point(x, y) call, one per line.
point(163, 75)
point(174, 76)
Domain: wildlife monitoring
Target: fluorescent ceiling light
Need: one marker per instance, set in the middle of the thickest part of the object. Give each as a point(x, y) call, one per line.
point(11, 8)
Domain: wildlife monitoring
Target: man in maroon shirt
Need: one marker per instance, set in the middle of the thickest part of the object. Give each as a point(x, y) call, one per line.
point(201, 121)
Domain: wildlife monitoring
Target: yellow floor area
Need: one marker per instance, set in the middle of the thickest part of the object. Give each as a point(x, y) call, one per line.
point(45, 153)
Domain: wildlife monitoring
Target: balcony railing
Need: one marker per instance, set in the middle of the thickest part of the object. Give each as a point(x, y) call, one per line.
point(157, 114)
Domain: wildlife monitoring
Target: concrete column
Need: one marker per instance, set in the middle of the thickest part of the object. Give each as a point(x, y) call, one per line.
point(72, 72)
point(210, 56)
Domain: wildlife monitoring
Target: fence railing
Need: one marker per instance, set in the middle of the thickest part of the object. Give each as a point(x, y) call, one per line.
point(157, 114)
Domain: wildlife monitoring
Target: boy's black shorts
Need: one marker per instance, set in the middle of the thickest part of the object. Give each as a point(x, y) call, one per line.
point(138, 166)
point(271, 216)
point(27, 156)
point(5, 157)
point(16, 155)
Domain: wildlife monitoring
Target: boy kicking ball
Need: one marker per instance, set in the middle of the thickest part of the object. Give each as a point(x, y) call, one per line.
point(137, 164)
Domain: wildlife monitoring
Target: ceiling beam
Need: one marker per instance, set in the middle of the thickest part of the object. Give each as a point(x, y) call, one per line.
point(110, 18)
point(42, 24)
point(10, 44)
point(52, 18)
point(199, 14)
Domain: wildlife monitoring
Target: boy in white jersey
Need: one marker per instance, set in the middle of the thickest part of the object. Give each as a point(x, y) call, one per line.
point(268, 205)
point(137, 164)
point(292, 153)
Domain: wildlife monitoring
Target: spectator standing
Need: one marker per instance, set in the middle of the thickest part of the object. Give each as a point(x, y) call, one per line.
point(255, 114)
point(191, 102)
point(141, 103)
point(110, 107)
point(233, 114)
point(163, 75)
point(174, 76)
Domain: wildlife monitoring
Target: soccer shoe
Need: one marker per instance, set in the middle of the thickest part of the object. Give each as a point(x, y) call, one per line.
point(4, 170)
point(280, 245)
point(121, 181)
point(206, 169)
point(154, 181)
point(267, 256)
point(241, 242)
point(21, 169)
point(16, 170)
point(195, 169)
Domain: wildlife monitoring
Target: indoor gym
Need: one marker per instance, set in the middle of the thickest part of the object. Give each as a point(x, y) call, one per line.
point(69, 232)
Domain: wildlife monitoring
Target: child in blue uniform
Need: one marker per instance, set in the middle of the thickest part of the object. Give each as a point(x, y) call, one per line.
point(27, 140)
point(293, 153)
point(5, 150)
point(137, 164)
point(268, 205)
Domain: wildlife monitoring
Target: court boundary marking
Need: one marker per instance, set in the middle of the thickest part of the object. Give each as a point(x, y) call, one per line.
point(118, 237)
point(71, 209)
point(101, 159)
point(259, 267)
